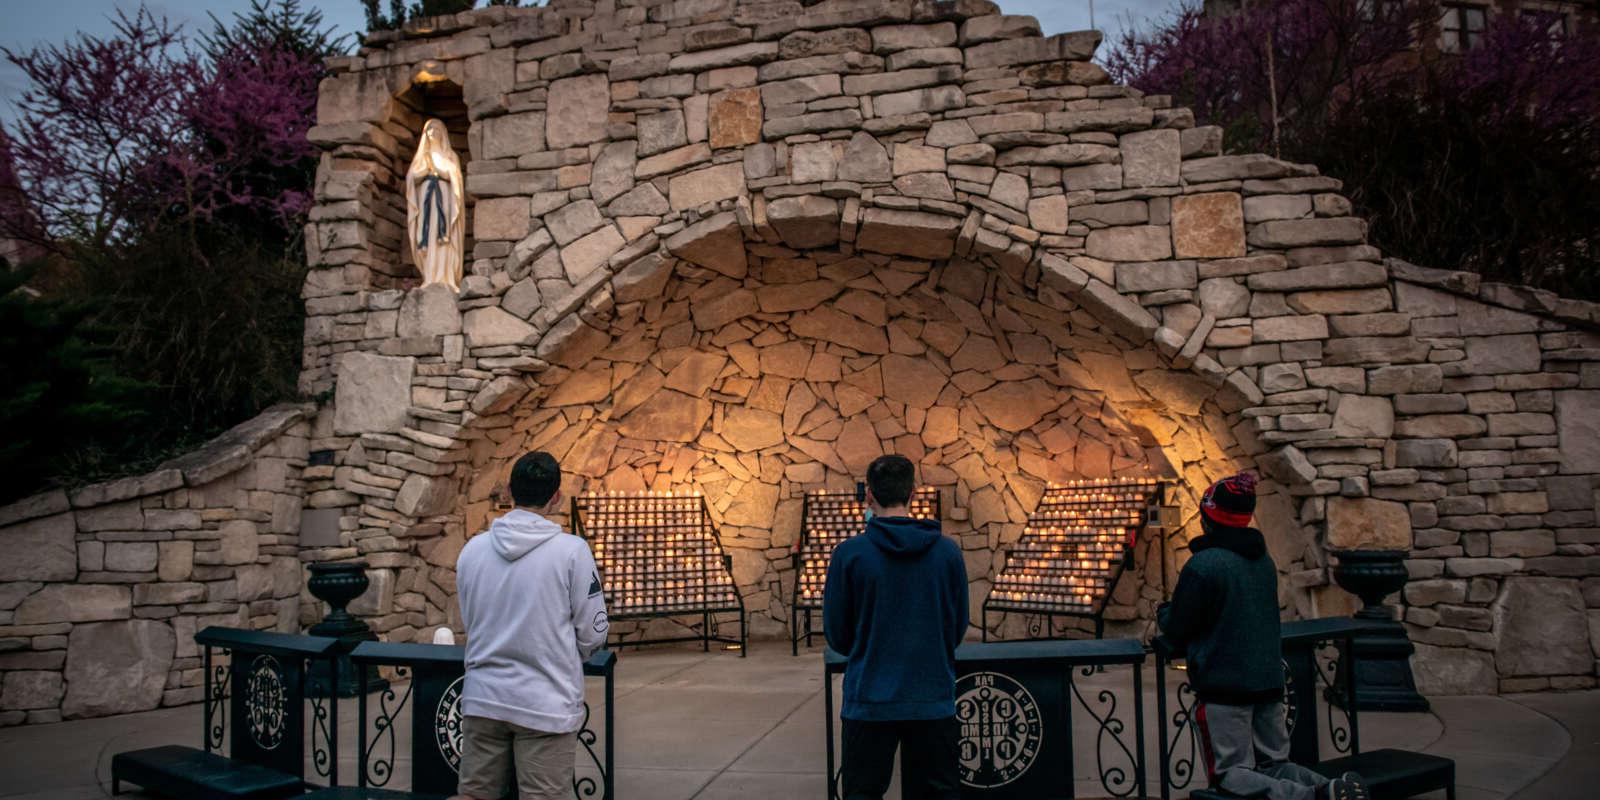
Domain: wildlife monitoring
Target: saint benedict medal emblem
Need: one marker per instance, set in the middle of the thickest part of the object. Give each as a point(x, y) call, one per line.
point(1000, 729)
point(447, 724)
point(265, 701)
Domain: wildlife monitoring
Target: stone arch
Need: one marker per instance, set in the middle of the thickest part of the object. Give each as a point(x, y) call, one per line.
point(650, 139)
point(807, 278)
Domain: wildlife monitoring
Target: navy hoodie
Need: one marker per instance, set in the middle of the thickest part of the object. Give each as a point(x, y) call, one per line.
point(896, 605)
point(1224, 611)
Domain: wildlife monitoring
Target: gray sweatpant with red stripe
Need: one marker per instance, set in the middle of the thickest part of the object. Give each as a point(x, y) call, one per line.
point(1247, 752)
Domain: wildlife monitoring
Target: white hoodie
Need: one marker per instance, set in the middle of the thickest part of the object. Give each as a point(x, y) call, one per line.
point(534, 610)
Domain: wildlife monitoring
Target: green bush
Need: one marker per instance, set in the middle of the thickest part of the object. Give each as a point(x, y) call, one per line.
point(62, 395)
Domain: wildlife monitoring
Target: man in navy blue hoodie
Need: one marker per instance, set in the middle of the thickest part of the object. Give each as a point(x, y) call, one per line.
point(896, 605)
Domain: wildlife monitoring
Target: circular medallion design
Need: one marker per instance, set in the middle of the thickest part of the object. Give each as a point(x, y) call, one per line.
point(447, 724)
point(1001, 730)
point(265, 702)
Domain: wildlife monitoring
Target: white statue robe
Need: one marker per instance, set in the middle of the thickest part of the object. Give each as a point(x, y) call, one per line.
point(434, 193)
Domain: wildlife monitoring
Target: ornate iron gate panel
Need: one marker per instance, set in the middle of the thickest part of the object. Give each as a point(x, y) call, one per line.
point(262, 687)
point(429, 679)
point(1015, 702)
point(1313, 661)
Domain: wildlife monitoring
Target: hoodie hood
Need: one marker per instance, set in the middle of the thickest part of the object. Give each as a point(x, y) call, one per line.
point(903, 537)
point(1247, 542)
point(519, 532)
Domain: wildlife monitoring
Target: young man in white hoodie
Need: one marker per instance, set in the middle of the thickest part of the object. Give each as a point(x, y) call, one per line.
point(534, 611)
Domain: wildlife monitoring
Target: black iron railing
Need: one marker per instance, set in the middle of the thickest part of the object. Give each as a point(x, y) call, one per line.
point(1314, 659)
point(1016, 702)
point(261, 680)
point(429, 679)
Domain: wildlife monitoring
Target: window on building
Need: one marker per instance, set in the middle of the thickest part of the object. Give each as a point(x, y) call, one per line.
point(1461, 27)
point(1553, 22)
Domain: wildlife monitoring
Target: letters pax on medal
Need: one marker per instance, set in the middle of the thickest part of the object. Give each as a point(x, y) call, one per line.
point(435, 200)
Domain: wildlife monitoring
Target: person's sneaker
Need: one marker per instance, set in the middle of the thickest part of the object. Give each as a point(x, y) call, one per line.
point(1348, 786)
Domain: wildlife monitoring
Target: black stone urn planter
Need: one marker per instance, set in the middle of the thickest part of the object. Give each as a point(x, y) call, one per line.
point(1383, 679)
point(338, 584)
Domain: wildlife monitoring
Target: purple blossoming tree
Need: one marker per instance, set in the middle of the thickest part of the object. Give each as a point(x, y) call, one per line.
point(1487, 161)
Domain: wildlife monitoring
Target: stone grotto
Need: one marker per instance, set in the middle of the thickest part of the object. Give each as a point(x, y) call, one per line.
point(742, 247)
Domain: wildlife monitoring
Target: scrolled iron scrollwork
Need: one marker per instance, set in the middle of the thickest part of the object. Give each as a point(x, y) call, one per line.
point(1327, 663)
point(216, 709)
point(381, 769)
point(1035, 625)
point(1181, 770)
point(321, 735)
point(1117, 780)
point(586, 785)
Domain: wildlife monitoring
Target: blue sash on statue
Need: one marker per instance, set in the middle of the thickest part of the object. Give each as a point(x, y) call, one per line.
point(432, 204)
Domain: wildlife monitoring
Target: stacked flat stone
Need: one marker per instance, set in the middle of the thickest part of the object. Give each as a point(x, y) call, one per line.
point(102, 588)
point(744, 246)
point(669, 182)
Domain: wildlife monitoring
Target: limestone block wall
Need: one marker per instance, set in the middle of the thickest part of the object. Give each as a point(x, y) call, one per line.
point(103, 588)
point(677, 202)
point(811, 364)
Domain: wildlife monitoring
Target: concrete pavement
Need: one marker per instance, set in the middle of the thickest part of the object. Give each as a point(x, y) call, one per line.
point(715, 726)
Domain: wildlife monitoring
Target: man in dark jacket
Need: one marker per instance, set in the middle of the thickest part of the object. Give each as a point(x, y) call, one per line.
point(896, 605)
point(1224, 612)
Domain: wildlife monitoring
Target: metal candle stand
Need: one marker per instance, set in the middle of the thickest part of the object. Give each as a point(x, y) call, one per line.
point(1074, 549)
point(826, 519)
point(660, 557)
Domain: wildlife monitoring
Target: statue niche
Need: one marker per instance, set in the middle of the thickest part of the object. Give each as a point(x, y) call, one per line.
point(435, 208)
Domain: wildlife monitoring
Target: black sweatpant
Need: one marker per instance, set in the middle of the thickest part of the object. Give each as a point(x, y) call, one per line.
point(930, 759)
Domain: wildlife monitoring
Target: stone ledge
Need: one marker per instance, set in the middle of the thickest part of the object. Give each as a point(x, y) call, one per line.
point(39, 505)
point(233, 449)
point(226, 453)
point(1505, 295)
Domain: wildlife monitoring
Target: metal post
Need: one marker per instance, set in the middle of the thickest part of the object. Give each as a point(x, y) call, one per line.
point(1163, 755)
point(361, 729)
point(1138, 723)
point(794, 603)
point(1349, 662)
point(205, 726)
point(333, 739)
point(827, 723)
point(1066, 701)
point(611, 732)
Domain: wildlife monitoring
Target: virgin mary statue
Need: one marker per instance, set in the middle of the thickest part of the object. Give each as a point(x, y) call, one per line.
point(435, 224)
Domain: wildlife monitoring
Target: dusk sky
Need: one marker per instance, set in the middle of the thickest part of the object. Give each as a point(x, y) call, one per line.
point(57, 20)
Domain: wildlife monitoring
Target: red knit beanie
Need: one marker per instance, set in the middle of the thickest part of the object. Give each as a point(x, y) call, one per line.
point(1231, 501)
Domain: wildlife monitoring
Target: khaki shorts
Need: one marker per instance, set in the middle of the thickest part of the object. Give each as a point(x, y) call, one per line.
point(497, 757)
